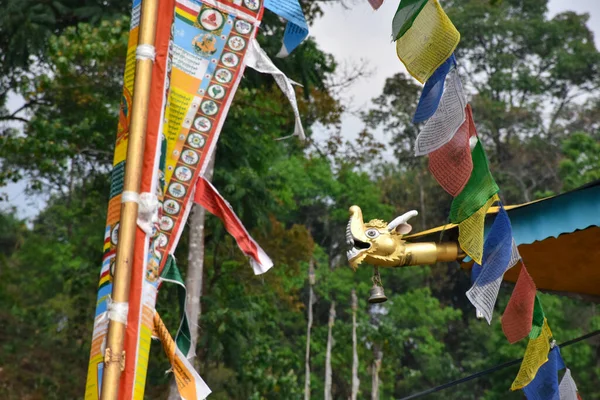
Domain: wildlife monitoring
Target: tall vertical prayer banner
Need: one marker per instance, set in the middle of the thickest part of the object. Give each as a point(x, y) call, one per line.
point(200, 58)
point(96, 364)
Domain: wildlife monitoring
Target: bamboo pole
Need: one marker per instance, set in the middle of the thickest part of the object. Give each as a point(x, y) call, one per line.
point(114, 357)
point(355, 380)
point(328, 354)
point(311, 282)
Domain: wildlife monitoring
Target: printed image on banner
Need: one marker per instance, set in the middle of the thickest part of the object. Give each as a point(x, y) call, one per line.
point(208, 50)
point(111, 235)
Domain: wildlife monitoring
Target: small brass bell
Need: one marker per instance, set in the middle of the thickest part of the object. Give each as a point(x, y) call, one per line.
point(377, 295)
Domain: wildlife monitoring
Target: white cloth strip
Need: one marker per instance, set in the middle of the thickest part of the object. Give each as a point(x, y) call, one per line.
point(147, 212)
point(258, 60)
point(130, 197)
point(145, 52)
point(118, 312)
point(114, 312)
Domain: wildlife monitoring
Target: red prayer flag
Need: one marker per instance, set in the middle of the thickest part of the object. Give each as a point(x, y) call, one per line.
point(375, 3)
point(208, 197)
point(518, 316)
point(451, 164)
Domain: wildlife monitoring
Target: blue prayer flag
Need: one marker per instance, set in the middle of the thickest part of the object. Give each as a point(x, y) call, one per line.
point(432, 92)
point(545, 384)
point(296, 29)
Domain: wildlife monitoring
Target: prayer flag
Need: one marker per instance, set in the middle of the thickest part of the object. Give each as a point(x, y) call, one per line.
point(538, 319)
point(470, 232)
point(375, 4)
point(568, 389)
point(429, 42)
point(536, 355)
point(190, 385)
point(208, 197)
point(449, 116)
point(499, 254)
point(451, 165)
point(518, 315)
point(480, 187)
point(296, 29)
point(258, 60)
point(433, 90)
point(405, 16)
point(545, 384)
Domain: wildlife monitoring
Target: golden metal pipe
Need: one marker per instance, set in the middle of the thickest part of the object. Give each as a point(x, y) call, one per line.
point(114, 355)
point(429, 253)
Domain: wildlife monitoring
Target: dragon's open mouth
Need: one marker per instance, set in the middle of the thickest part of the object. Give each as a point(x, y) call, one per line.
point(358, 246)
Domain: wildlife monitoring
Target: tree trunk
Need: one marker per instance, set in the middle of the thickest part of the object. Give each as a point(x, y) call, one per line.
point(193, 280)
point(355, 380)
point(328, 354)
point(377, 356)
point(311, 282)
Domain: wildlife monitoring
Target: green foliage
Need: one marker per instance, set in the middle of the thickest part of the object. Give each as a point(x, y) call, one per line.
point(581, 162)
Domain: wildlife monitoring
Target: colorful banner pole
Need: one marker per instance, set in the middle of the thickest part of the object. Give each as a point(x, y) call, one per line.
point(114, 357)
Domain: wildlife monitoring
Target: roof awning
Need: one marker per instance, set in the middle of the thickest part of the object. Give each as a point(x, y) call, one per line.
point(558, 238)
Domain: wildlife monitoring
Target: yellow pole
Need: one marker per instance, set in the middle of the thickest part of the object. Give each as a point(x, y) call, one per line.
point(114, 357)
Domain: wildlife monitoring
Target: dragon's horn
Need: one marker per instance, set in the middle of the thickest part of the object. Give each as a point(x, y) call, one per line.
point(401, 219)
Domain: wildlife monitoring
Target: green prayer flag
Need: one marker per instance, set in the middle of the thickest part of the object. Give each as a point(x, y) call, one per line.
point(538, 319)
point(480, 187)
point(405, 16)
point(171, 274)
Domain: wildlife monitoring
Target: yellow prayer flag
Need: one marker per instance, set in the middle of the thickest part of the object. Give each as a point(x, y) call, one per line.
point(470, 231)
point(536, 355)
point(189, 383)
point(428, 43)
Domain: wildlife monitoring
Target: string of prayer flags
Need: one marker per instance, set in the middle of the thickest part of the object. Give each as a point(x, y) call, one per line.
point(498, 257)
point(444, 124)
point(480, 187)
point(425, 43)
point(451, 165)
point(405, 16)
point(258, 60)
point(208, 197)
point(517, 318)
point(545, 384)
point(296, 29)
point(568, 389)
point(429, 41)
point(538, 319)
point(432, 91)
point(375, 4)
point(536, 355)
point(470, 232)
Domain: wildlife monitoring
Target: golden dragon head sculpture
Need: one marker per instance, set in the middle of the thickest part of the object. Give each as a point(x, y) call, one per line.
point(380, 243)
point(377, 242)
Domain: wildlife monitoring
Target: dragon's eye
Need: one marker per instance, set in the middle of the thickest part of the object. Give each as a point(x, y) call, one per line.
point(372, 233)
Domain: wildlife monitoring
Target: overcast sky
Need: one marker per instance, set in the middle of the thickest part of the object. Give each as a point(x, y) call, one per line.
point(351, 35)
